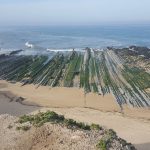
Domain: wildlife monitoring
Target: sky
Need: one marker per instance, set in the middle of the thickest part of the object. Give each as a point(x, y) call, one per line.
point(74, 12)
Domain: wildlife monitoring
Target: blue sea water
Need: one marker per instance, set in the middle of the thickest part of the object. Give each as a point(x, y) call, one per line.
point(74, 37)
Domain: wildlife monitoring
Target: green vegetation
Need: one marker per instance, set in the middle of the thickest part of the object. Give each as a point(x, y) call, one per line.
point(79, 63)
point(81, 78)
point(86, 80)
point(40, 118)
point(93, 75)
point(24, 128)
point(138, 76)
point(105, 75)
point(50, 116)
point(102, 144)
point(111, 133)
point(101, 72)
point(70, 123)
point(86, 71)
point(72, 70)
point(139, 81)
point(107, 138)
point(95, 127)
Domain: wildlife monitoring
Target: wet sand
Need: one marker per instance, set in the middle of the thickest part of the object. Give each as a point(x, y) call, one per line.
point(14, 108)
point(13, 105)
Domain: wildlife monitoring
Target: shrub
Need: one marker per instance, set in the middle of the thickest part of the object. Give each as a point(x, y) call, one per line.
point(24, 128)
point(105, 141)
point(24, 119)
point(102, 145)
point(111, 133)
point(10, 126)
point(95, 127)
point(50, 116)
point(83, 126)
point(70, 122)
point(41, 118)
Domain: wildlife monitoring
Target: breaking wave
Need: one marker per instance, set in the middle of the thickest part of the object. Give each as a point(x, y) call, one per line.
point(29, 45)
point(64, 50)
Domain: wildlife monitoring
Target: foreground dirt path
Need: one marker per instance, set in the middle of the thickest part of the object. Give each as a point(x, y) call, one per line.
point(47, 137)
point(136, 131)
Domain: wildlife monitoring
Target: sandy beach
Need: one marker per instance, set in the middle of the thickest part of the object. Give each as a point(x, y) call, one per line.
point(61, 97)
point(132, 125)
point(10, 104)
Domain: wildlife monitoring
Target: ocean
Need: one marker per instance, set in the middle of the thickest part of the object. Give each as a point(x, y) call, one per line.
point(45, 37)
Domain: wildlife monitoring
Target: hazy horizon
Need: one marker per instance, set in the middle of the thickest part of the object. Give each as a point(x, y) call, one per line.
point(73, 13)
